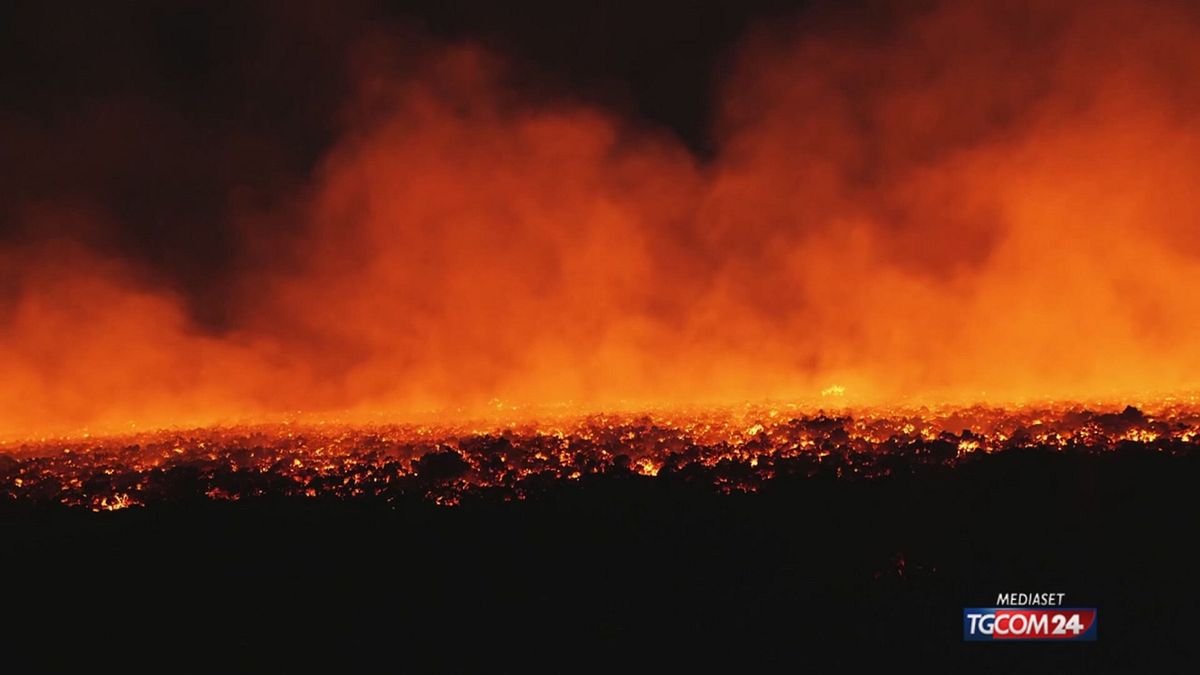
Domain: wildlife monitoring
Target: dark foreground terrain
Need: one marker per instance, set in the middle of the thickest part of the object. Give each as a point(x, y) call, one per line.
point(625, 572)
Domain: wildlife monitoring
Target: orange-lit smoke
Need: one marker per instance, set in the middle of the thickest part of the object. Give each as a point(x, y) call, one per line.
point(978, 201)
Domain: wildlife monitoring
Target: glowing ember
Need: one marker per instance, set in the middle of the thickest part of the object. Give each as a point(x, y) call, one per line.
point(732, 451)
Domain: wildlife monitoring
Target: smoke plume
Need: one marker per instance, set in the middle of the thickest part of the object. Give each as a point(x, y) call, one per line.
point(974, 202)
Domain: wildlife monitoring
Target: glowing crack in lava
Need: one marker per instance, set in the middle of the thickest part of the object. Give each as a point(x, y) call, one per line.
point(730, 451)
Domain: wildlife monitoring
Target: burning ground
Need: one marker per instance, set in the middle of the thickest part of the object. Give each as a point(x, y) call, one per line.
point(740, 450)
point(842, 542)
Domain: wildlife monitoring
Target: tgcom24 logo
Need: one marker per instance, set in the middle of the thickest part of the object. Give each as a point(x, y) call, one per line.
point(1030, 617)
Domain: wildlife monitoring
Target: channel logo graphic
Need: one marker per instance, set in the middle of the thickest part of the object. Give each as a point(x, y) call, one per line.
point(988, 624)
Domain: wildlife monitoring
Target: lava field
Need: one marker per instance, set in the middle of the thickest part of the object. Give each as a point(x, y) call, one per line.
point(739, 450)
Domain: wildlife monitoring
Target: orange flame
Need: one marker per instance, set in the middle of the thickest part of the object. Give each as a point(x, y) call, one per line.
point(988, 202)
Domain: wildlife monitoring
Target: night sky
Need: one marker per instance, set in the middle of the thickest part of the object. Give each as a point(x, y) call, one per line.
point(163, 118)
